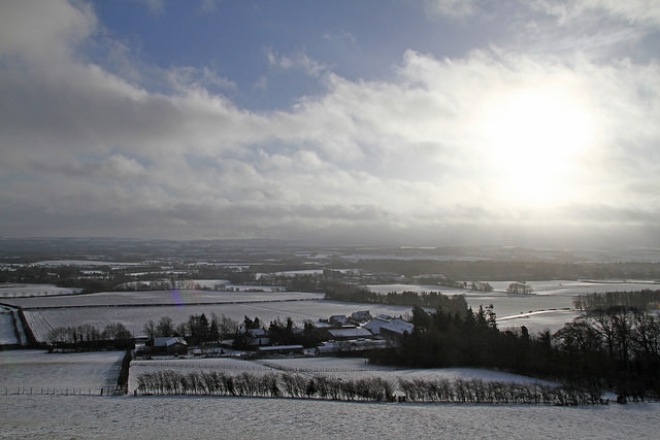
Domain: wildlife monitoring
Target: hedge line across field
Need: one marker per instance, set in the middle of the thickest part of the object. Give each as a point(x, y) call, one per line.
point(295, 385)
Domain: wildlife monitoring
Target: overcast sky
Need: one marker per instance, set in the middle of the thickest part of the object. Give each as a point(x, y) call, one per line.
point(413, 122)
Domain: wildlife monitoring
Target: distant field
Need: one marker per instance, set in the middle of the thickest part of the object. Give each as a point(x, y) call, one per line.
point(32, 290)
point(549, 307)
point(43, 320)
point(163, 297)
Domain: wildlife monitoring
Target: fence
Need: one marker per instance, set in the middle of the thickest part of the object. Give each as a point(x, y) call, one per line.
point(47, 391)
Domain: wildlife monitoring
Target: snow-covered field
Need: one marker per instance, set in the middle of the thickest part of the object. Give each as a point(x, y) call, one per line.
point(66, 417)
point(549, 307)
point(40, 371)
point(162, 297)
point(7, 335)
point(31, 290)
point(82, 263)
point(134, 318)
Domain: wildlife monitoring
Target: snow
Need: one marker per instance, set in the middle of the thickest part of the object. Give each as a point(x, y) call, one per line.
point(82, 263)
point(344, 368)
point(549, 307)
point(30, 290)
point(65, 417)
point(58, 372)
point(7, 335)
point(172, 297)
point(134, 318)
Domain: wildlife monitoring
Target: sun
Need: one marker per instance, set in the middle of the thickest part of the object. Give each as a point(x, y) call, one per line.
point(536, 140)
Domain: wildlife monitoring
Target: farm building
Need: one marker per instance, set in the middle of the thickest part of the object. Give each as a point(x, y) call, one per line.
point(343, 334)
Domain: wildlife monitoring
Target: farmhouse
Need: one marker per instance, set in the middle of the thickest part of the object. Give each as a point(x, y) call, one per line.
point(176, 346)
point(396, 329)
point(375, 324)
point(338, 320)
point(171, 345)
point(257, 337)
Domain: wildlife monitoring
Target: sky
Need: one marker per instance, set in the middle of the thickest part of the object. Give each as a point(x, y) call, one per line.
point(426, 122)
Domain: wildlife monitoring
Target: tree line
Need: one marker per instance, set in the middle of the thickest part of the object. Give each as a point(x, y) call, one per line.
point(370, 389)
point(198, 329)
point(89, 333)
point(433, 299)
point(642, 300)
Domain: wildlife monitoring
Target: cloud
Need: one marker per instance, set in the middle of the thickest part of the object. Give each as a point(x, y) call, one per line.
point(184, 78)
point(299, 61)
point(341, 36)
point(89, 151)
point(645, 12)
point(451, 8)
point(155, 7)
point(45, 32)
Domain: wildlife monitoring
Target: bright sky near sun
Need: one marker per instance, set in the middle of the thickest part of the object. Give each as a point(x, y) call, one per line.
point(413, 122)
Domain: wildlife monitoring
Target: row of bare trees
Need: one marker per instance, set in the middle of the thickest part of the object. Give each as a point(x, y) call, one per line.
point(371, 389)
point(480, 391)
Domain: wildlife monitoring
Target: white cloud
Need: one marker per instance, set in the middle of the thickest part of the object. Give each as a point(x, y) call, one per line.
point(645, 12)
point(84, 147)
point(298, 61)
point(451, 8)
point(340, 36)
point(46, 32)
point(184, 78)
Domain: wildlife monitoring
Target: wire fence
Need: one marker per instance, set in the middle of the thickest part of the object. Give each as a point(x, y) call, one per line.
point(47, 391)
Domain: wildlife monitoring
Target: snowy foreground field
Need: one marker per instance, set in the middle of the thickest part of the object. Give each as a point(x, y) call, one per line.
point(66, 417)
point(36, 371)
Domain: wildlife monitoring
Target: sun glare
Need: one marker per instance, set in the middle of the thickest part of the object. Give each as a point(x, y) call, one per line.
point(535, 140)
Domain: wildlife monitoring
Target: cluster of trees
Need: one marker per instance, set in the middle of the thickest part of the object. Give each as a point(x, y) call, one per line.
point(281, 333)
point(616, 349)
point(370, 389)
point(89, 333)
point(197, 329)
point(278, 333)
point(479, 391)
point(641, 300)
point(457, 338)
point(519, 288)
point(347, 293)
